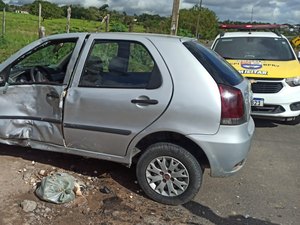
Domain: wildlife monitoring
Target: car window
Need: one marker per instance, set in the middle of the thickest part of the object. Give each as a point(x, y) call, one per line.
point(45, 64)
point(256, 48)
point(139, 59)
point(119, 64)
point(103, 52)
point(219, 69)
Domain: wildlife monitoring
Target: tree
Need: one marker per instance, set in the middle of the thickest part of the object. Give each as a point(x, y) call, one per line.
point(208, 22)
point(154, 23)
point(49, 10)
point(78, 12)
point(2, 5)
point(117, 27)
point(104, 8)
point(93, 13)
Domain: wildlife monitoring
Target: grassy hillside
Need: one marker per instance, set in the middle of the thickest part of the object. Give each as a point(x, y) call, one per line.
point(22, 29)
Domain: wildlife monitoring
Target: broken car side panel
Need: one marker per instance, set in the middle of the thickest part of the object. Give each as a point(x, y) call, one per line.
point(30, 114)
point(31, 111)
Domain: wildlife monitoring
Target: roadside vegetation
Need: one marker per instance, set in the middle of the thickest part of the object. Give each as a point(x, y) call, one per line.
point(22, 28)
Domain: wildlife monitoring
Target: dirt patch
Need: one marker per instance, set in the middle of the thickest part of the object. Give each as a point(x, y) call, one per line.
point(111, 194)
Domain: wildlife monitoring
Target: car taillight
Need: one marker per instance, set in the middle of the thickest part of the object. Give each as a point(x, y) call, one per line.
point(232, 105)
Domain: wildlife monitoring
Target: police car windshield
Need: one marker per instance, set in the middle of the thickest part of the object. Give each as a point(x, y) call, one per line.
point(256, 48)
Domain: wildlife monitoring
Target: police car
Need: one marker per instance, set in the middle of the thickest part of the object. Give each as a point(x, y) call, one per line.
point(269, 61)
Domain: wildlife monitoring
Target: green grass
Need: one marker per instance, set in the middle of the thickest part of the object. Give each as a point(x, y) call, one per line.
point(22, 29)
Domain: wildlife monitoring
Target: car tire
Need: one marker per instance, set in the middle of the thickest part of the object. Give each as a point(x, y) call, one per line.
point(169, 174)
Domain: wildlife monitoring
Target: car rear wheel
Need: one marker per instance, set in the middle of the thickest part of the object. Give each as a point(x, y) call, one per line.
point(169, 174)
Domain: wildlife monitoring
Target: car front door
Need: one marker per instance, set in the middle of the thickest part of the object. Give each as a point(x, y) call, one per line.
point(33, 83)
point(121, 86)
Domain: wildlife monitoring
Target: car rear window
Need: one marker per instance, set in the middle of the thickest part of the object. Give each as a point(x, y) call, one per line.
point(256, 48)
point(219, 69)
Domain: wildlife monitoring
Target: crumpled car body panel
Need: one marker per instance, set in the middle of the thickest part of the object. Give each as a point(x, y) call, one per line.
point(30, 114)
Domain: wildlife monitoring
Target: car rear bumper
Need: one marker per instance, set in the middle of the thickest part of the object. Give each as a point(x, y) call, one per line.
point(227, 150)
point(284, 104)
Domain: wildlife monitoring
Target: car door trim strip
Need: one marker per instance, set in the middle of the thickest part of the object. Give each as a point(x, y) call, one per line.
point(42, 119)
point(98, 129)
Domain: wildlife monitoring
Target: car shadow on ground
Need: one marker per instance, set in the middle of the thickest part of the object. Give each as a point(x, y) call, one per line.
point(86, 166)
point(269, 123)
point(265, 123)
point(206, 213)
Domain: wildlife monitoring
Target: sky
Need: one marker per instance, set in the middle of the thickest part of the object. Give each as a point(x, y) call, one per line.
point(272, 11)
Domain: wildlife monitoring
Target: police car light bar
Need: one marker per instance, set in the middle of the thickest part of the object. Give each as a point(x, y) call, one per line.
point(250, 26)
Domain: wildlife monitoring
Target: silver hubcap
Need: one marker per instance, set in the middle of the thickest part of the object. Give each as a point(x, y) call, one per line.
point(167, 176)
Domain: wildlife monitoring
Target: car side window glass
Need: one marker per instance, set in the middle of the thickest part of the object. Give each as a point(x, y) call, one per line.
point(118, 64)
point(221, 71)
point(139, 59)
point(46, 64)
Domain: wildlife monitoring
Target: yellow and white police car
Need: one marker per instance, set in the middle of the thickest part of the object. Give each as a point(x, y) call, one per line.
point(269, 61)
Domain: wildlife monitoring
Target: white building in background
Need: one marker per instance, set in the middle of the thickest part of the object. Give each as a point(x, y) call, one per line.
point(22, 12)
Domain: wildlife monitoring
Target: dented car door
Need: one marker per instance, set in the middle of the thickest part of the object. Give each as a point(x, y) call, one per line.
point(33, 83)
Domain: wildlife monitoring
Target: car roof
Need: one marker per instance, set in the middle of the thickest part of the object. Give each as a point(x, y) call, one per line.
point(249, 34)
point(126, 34)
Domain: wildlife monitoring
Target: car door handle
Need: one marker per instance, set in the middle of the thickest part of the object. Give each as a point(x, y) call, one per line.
point(144, 101)
point(52, 95)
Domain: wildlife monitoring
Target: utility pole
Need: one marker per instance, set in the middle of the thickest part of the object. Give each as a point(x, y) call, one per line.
point(175, 17)
point(252, 14)
point(198, 19)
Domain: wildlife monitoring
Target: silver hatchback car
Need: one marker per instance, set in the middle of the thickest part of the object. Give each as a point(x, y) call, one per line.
point(168, 104)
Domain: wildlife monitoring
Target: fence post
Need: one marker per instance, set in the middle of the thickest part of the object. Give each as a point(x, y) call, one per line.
point(3, 22)
point(69, 11)
point(40, 15)
point(107, 23)
point(42, 32)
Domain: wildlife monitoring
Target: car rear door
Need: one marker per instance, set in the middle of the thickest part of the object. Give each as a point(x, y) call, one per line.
point(120, 87)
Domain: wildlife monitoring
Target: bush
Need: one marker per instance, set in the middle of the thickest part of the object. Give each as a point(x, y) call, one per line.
point(117, 27)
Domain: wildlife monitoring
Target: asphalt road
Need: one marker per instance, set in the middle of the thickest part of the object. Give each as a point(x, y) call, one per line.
point(266, 191)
